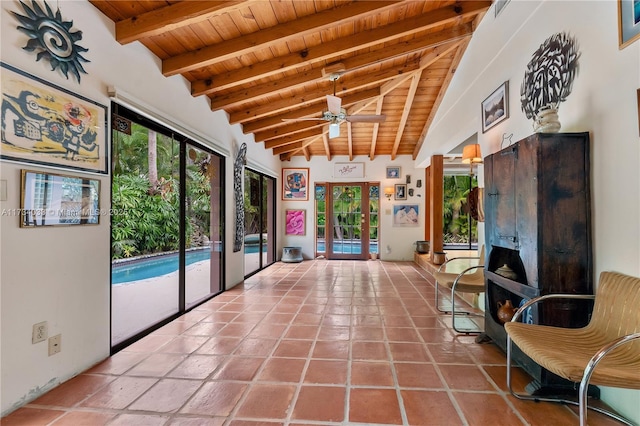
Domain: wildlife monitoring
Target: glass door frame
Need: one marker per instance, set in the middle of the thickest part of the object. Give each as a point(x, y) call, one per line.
point(267, 206)
point(122, 111)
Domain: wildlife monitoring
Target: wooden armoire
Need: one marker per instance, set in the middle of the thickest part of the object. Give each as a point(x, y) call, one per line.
point(538, 224)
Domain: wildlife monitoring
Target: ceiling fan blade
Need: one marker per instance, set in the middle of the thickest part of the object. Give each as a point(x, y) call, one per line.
point(366, 118)
point(334, 104)
point(334, 130)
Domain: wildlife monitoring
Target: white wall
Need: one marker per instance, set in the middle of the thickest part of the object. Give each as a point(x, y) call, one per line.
point(603, 102)
point(396, 243)
point(61, 275)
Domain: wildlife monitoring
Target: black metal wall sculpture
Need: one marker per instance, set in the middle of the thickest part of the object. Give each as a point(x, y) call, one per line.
point(52, 38)
point(549, 76)
point(238, 167)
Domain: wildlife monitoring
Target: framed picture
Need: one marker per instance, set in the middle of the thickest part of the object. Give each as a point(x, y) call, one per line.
point(295, 184)
point(348, 170)
point(46, 124)
point(628, 22)
point(50, 199)
point(496, 107)
point(400, 191)
point(393, 172)
point(295, 222)
point(406, 215)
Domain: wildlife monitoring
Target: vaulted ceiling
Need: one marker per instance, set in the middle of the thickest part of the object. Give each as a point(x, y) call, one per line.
point(271, 64)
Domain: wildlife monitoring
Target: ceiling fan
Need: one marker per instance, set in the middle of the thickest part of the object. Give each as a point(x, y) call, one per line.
point(337, 115)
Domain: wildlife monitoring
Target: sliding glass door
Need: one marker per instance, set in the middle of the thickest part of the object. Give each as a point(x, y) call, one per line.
point(259, 221)
point(166, 225)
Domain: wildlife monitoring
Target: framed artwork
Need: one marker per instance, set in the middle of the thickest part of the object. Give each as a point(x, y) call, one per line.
point(295, 184)
point(46, 124)
point(406, 215)
point(496, 107)
point(50, 199)
point(393, 172)
point(295, 222)
point(348, 170)
point(628, 22)
point(400, 191)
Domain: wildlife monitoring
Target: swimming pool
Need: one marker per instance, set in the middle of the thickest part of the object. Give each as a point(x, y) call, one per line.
point(153, 266)
point(347, 247)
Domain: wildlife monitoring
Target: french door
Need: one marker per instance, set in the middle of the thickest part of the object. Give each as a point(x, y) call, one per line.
point(347, 220)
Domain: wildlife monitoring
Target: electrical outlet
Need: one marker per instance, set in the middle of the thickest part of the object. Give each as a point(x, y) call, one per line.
point(39, 333)
point(55, 344)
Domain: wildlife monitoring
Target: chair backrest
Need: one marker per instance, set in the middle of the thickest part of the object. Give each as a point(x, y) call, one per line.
point(616, 311)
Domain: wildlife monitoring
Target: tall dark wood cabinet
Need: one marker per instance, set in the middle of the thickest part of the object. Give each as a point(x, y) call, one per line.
point(538, 224)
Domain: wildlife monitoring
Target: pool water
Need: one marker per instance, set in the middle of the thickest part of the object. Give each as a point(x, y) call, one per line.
point(347, 247)
point(154, 266)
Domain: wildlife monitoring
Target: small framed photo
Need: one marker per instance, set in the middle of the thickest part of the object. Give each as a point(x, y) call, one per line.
point(393, 172)
point(295, 184)
point(295, 222)
point(400, 191)
point(496, 107)
point(406, 215)
point(52, 199)
point(628, 22)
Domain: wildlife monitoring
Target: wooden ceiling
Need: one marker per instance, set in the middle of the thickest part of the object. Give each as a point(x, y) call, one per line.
point(264, 62)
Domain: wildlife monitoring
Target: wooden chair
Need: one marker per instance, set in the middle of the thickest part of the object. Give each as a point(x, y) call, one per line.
point(470, 280)
point(610, 342)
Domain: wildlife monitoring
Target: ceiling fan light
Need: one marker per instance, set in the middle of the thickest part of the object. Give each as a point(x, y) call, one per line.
point(334, 130)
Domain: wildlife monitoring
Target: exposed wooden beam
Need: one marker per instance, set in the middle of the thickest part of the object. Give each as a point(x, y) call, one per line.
point(350, 140)
point(171, 17)
point(288, 148)
point(261, 70)
point(229, 49)
point(443, 89)
point(376, 127)
point(408, 102)
point(294, 137)
point(287, 129)
point(307, 156)
point(327, 150)
point(348, 85)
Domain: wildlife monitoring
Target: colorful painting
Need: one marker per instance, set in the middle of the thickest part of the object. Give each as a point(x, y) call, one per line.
point(628, 22)
point(46, 124)
point(406, 215)
point(294, 184)
point(295, 222)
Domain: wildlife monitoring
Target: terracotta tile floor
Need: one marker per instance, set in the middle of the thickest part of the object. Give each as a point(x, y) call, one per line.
point(314, 343)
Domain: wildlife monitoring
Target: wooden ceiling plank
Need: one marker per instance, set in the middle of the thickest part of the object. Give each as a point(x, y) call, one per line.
point(415, 81)
point(250, 124)
point(445, 84)
point(327, 150)
point(294, 137)
point(265, 135)
point(342, 46)
point(288, 148)
point(217, 83)
point(263, 39)
point(171, 17)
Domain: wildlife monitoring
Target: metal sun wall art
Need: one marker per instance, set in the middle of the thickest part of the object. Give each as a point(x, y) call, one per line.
point(549, 76)
point(52, 38)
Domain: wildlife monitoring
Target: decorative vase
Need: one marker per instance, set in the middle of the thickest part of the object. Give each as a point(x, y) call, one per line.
point(506, 311)
point(547, 121)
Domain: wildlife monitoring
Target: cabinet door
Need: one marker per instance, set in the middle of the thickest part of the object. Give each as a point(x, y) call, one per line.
point(502, 199)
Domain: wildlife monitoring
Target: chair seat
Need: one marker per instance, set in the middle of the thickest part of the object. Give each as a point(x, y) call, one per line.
point(468, 283)
point(567, 351)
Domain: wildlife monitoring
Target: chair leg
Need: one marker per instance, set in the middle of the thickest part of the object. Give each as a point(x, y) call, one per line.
point(465, 313)
point(443, 311)
point(582, 397)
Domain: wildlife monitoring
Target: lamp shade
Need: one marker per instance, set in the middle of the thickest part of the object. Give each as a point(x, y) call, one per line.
point(471, 154)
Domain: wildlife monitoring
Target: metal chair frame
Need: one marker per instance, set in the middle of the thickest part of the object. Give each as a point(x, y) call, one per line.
point(588, 371)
